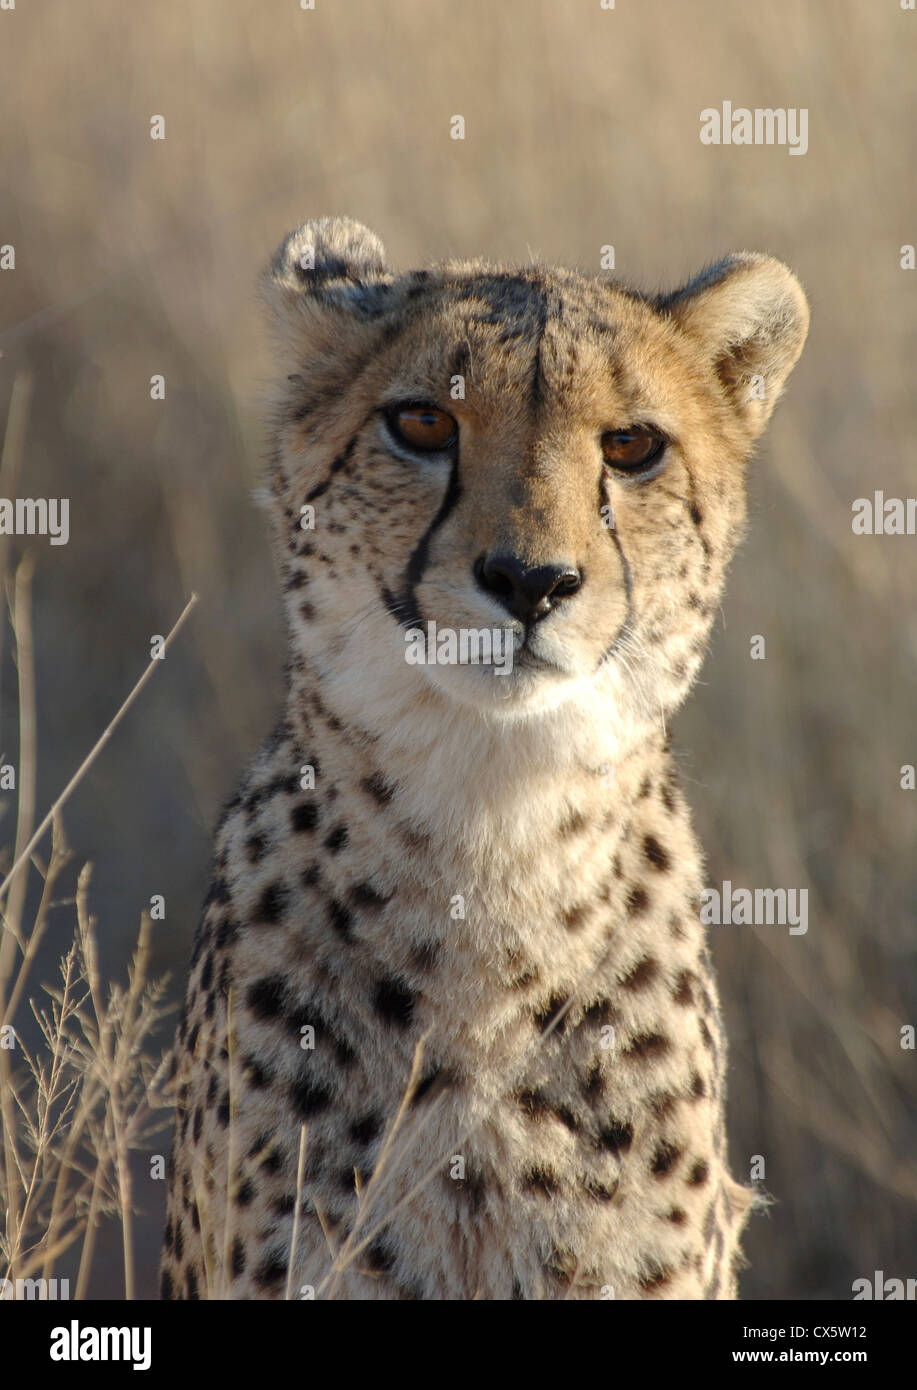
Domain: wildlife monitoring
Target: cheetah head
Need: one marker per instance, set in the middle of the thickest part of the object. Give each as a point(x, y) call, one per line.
point(530, 452)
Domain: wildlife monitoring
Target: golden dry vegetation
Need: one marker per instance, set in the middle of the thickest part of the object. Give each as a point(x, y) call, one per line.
point(135, 257)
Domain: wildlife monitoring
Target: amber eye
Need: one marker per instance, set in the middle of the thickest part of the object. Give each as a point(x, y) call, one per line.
point(633, 450)
point(423, 428)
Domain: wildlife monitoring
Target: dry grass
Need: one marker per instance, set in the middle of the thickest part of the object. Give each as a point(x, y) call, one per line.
point(136, 257)
point(76, 1105)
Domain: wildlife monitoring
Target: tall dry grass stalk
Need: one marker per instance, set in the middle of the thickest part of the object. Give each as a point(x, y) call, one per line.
point(87, 1093)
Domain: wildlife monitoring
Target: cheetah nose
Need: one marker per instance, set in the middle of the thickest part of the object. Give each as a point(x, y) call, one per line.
point(528, 592)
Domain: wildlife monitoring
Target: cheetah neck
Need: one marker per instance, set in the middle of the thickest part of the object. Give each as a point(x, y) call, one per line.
point(522, 818)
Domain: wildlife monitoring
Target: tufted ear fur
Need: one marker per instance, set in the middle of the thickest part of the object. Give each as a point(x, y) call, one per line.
point(750, 317)
point(322, 273)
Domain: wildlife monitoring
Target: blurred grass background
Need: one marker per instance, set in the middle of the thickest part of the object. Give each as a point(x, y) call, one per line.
point(136, 257)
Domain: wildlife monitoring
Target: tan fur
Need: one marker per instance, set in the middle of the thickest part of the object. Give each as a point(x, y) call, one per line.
point(530, 1159)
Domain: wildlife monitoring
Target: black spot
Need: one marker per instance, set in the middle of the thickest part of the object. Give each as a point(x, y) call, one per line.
point(245, 1193)
point(207, 972)
point(226, 932)
point(665, 1158)
point(309, 1097)
point(646, 1045)
point(341, 919)
point(667, 791)
point(654, 852)
point(663, 1104)
point(217, 893)
point(271, 1271)
point(223, 1110)
point(273, 1161)
point(598, 1014)
point(545, 1016)
point(542, 1180)
point(168, 1238)
point(638, 900)
point(592, 1084)
point(166, 1287)
point(193, 1037)
point(677, 1216)
point(599, 1191)
point(225, 977)
point(272, 905)
point(260, 1143)
point(698, 1088)
point(535, 1105)
point(365, 895)
point(656, 1278)
point(198, 1125)
point(337, 839)
point(431, 1084)
point(265, 997)
point(283, 1206)
point(699, 1174)
point(683, 992)
point(379, 1258)
point(642, 974)
point(377, 787)
point(615, 1137)
point(179, 1241)
point(304, 816)
point(191, 1290)
point(256, 1075)
point(575, 916)
point(394, 1002)
point(255, 846)
point(310, 877)
point(238, 1258)
point(696, 515)
point(366, 1129)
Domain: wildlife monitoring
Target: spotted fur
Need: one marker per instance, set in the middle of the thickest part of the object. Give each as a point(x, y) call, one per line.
point(487, 906)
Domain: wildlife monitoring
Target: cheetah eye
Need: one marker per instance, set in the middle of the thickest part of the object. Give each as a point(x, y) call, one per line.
point(633, 450)
point(423, 428)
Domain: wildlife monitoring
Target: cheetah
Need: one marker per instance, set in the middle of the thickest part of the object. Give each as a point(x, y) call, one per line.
point(452, 1029)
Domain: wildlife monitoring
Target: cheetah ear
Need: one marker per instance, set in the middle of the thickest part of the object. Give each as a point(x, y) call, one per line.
point(750, 316)
point(331, 265)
